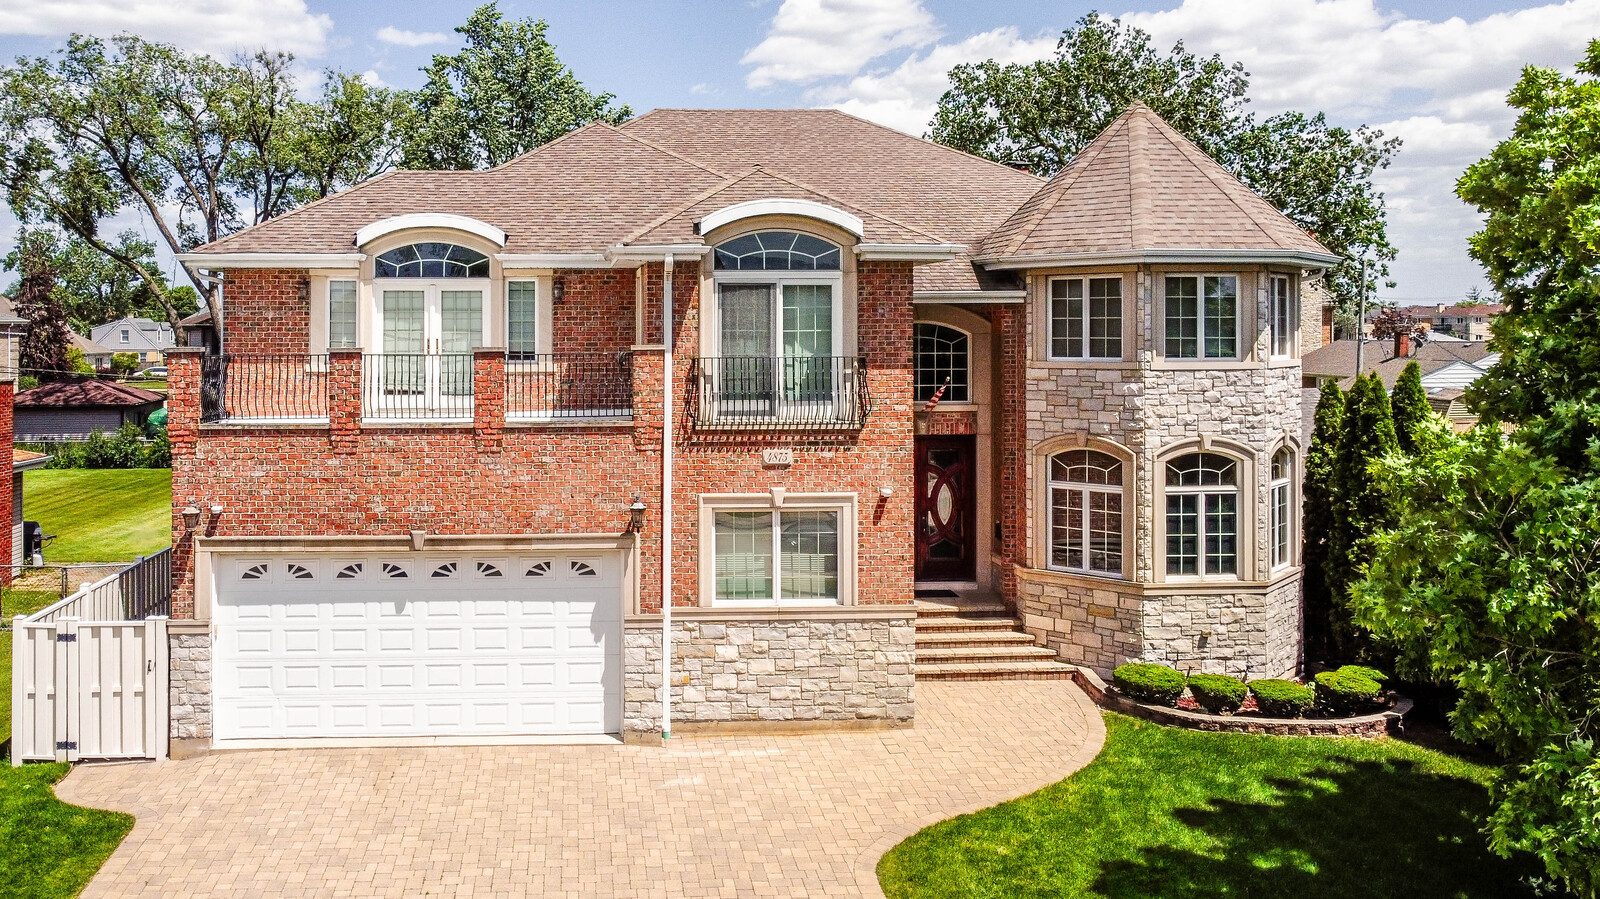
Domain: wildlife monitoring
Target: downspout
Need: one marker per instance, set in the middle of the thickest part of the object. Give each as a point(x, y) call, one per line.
point(666, 500)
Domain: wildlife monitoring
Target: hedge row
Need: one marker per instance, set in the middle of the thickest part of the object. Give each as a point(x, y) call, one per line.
point(127, 448)
point(1351, 690)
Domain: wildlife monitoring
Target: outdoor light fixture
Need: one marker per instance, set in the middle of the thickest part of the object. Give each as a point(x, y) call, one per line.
point(886, 491)
point(216, 509)
point(636, 515)
point(191, 518)
point(558, 292)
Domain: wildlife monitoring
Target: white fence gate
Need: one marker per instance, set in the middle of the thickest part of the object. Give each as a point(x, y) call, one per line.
point(86, 682)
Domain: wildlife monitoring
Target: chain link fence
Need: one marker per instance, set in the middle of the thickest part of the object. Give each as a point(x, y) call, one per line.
point(32, 587)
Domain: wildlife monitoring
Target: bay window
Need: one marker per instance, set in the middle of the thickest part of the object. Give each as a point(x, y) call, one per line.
point(1086, 512)
point(1202, 515)
point(1281, 314)
point(1281, 490)
point(1086, 318)
point(1202, 317)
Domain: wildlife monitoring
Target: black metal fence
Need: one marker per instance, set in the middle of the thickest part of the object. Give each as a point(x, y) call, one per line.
point(263, 388)
point(570, 386)
point(780, 393)
point(416, 386)
point(146, 586)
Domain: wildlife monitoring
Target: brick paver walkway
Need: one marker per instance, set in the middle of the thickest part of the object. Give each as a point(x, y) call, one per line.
point(705, 816)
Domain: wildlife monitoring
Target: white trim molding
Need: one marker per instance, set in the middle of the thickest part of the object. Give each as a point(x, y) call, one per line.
point(727, 215)
point(909, 252)
point(968, 297)
point(554, 260)
point(1195, 256)
point(638, 253)
point(413, 220)
point(217, 261)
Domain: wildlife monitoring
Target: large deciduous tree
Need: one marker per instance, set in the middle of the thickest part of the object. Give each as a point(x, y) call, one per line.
point(504, 94)
point(1491, 581)
point(1041, 114)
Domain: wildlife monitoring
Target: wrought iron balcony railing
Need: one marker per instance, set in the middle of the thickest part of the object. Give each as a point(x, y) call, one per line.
point(250, 388)
point(555, 387)
point(790, 393)
point(416, 387)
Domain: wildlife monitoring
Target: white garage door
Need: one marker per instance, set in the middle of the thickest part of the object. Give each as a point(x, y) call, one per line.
point(417, 645)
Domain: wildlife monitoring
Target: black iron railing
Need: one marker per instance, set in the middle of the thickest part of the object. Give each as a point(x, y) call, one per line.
point(569, 386)
point(818, 393)
point(416, 386)
point(263, 388)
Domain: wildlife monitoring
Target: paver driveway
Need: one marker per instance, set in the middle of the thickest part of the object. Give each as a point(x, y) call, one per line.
point(704, 816)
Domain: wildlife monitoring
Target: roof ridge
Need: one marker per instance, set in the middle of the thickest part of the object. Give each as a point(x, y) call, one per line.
point(1140, 208)
point(932, 143)
point(1076, 168)
point(593, 123)
point(726, 182)
point(673, 153)
point(311, 205)
point(877, 215)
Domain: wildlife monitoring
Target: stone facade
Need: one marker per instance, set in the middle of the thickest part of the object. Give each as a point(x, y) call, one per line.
point(740, 670)
point(1095, 623)
point(189, 686)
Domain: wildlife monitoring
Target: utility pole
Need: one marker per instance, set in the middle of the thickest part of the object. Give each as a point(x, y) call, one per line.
point(1361, 319)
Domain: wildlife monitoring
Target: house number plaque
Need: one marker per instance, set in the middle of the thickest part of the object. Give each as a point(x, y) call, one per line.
point(777, 457)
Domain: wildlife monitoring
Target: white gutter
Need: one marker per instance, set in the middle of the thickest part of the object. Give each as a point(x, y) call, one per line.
point(909, 252)
point(666, 499)
point(1200, 256)
point(553, 260)
point(923, 297)
point(219, 261)
point(656, 252)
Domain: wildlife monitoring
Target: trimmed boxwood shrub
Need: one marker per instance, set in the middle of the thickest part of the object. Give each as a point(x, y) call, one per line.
point(1155, 684)
point(1371, 674)
point(1217, 693)
point(1282, 698)
point(1346, 693)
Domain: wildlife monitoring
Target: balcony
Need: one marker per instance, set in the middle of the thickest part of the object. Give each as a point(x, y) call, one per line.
point(779, 393)
point(413, 388)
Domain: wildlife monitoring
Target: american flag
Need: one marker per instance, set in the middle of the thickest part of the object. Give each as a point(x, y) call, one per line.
point(937, 396)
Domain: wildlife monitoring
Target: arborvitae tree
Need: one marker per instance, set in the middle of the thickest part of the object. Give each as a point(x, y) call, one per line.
point(1362, 505)
point(1316, 519)
point(1411, 411)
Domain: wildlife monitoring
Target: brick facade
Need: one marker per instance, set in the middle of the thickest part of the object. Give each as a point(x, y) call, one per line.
point(268, 312)
point(9, 554)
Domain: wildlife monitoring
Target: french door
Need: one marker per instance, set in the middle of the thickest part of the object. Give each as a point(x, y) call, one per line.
point(428, 333)
point(778, 343)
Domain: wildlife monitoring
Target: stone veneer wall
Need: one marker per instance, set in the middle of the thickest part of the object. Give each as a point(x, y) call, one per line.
point(1096, 627)
point(1251, 633)
point(189, 686)
point(773, 671)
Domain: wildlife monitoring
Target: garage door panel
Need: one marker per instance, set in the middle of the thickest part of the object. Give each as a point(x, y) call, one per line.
point(380, 647)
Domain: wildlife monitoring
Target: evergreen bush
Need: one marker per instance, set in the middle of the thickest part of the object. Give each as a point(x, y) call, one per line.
point(1282, 698)
point(1218, 693)
point(1154, 684)
point(1343, 693)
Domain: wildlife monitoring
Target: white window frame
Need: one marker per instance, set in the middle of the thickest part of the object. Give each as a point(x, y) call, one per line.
point(1202, 507)
point(778, 500)
point(543, 314)
point(1282, 335)
point(1200, 316)
point(778, 280)
point(123, 336)
point(1050, 318)
point(1053, 487)
point(432, 307)
point(355, 313)
point(1281, 487)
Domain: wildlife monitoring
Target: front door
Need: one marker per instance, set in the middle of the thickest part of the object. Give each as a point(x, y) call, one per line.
point(946, 509)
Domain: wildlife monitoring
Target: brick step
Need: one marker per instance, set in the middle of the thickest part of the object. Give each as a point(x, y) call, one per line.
point(1041, 670)
point(988, 655)
point(967, 625)
point(936, 639)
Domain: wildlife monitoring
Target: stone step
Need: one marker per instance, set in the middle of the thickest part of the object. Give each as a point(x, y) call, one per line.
point(996, 655)
point(981, 609)
point(935, 639)
point(966, 625)
point(1040, 670)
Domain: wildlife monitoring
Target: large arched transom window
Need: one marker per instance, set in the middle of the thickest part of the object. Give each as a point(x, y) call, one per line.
point(1086, 512)
point(1202, 515)
point(777, 251)
point(432, 260)
point(941, 357)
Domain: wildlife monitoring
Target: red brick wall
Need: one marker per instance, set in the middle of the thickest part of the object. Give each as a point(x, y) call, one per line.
point(1010, 428)
point(267, 312)
point(8, 553)
point(559, 480)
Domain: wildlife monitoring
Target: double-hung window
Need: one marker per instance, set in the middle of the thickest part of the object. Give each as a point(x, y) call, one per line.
point(1086, 318)
point(522, 319)
point(1281, 312)
point(1202, 314)
point(1086, 512)
point(341, 315)
point(788, 556)
point(1282, 507)
point(1202, 515)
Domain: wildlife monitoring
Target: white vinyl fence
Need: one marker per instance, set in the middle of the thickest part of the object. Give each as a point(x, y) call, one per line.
point(89, 673)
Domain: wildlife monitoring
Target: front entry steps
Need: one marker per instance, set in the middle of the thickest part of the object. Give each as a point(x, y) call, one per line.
point(974, 638)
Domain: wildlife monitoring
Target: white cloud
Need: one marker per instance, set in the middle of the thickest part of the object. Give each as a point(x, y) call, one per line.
point(219, 27)
point(400, 37)
point(814, 39)
point(703, 89)
point(373, 79)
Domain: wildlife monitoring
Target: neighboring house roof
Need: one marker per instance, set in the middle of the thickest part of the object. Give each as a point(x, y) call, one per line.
point(203, 317)
point(1338, 359)
point(143, 334)
point(8, 312)
point(83, 393)
point(1142, 186)
point(1485, 309)
point(22, 460)
point(1455, 375)
point(89, 347)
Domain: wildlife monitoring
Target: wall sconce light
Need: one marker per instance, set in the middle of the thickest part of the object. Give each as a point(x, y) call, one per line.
point(191, 518)
point(216, 509)
point(558, 291)
point(636, 515)
point(886, 491)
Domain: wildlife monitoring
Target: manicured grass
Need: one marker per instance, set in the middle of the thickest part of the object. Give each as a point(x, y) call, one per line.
point(49, 848)
point(1176, 813)
point(100, 515)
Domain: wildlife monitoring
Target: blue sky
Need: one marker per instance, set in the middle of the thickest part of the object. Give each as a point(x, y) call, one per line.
point(1434, 74)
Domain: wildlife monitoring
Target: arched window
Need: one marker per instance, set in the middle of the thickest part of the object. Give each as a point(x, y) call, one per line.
point(1202, 514)
point(941, 355)
point(1282, 506)
point(1086, 512)
point(432, 260)
point(768, 251)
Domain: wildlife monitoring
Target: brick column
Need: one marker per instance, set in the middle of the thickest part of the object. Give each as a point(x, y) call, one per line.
point(183, 429)
point(1011, 431)
point(344, 400)
point(489, 398)
point(9, 554)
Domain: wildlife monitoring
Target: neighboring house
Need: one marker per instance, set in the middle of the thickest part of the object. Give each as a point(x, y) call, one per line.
point(199, 331)
point(21, 461)
point(1388, 358)
point(149, 339)
point(442, 478)
point(12, 330)
point(98, 357)
point(75, 408)
point(1467, 321)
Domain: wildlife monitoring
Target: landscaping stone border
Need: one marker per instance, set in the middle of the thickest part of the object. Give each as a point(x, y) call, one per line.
point(1371, 727)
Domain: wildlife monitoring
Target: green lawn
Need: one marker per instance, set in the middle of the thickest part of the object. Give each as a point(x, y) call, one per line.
point(1174, 813)
point(100, 515)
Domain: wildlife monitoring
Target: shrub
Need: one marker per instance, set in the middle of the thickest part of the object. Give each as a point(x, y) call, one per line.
point(1371, 674)
point(159, 453)
point(123, 450)
point(1217, 693)
point(1346, 693)
point(1155, 684)
point(1282, 698)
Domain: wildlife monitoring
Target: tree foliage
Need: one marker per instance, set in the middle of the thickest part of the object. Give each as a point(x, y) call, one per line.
point(504, 94)
point(1490, 580)
point(1362, 505)
point(43, 353)
point(1412, 413)
point(1392, 322)
point(92, 287)
point(1316, 519)
point(1041, 114)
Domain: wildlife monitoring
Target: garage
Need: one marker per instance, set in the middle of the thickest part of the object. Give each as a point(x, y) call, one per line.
point(416, 646)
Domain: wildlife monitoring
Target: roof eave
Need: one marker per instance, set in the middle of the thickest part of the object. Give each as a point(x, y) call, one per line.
point(29, 464)
point(1302, 258)
point(968, 297)
point(221, 261)
point(920, 253)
